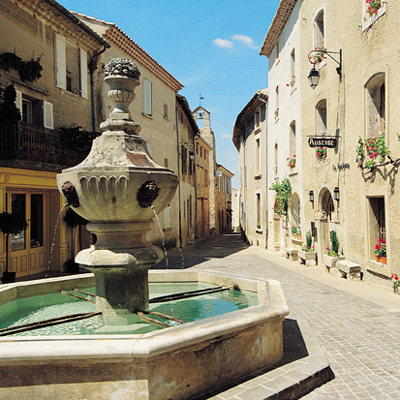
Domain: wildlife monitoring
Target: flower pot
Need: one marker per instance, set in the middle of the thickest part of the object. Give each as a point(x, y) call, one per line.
point(306, 257)
point(329, 261)
point(380, 259)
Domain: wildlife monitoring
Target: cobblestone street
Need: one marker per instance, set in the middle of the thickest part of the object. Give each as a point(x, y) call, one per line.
point(357, 323)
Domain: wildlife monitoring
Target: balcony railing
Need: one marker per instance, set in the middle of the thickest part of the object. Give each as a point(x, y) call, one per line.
point(24, 143)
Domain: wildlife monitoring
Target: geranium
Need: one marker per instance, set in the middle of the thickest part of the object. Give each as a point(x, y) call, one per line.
point(380, 248)
point(276, 113)
point(321, 153)
point(373, 6)
point(291, 162)
point(318, 54)
point(371, 149)
point(395, 282)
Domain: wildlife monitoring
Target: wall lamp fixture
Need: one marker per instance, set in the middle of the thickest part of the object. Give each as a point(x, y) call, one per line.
point(311, 194)
point(315, 57)
point(336, 193)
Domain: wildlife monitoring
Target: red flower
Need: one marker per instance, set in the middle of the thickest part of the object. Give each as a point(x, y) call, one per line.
point(380, 240)
point(377, 247)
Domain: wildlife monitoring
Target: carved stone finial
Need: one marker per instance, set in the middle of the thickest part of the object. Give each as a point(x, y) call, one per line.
point(121, 67)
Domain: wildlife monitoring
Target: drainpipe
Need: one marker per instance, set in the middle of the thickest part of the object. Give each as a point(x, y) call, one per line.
point(92, 68)
point(179, 174)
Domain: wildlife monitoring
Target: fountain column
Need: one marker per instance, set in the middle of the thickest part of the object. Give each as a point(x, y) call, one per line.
point(115, 188)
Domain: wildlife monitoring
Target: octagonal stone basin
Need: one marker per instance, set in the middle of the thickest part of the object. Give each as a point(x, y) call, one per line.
point(176, 363)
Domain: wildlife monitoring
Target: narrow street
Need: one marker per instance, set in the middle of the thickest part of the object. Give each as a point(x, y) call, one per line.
point(356, 323)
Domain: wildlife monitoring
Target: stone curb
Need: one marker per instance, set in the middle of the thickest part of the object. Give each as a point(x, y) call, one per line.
point(303, 368)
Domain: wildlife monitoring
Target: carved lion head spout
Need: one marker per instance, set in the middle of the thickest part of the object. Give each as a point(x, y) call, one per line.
point(147, 193)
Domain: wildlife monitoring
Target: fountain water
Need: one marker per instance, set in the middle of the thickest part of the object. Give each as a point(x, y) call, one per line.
point(115, 188)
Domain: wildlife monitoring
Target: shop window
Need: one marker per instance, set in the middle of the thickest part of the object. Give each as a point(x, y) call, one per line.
point(375, 105)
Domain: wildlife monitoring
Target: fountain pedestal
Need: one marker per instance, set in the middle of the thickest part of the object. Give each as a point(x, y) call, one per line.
point(118, 187)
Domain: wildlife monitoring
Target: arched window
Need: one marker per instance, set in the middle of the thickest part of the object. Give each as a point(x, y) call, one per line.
point(319, 29)
point(375, 105)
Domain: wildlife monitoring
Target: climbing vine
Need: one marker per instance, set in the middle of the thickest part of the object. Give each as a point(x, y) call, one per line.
point(283, 191)
point(373, 153)
point(27, 70)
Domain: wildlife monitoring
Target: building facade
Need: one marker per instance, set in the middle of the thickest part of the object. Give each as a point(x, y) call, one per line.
point(223, 200)
point(250, 139)
point(347, 146)
point(45, 56)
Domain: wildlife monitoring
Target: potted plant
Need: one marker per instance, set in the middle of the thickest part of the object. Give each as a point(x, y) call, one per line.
point(380, 252)
point(291, 162)
point(307, 254)
point(296, 232)
point(330, 259)
point(395, 282)
point(10, 224)
point(320, 153)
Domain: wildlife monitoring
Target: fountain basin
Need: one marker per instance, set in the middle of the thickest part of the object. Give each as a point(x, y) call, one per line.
point(174, 363)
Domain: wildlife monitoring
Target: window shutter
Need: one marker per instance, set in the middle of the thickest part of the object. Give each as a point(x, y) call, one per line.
point(18, 101)
point(48, 115)
point(60, 62)
point(83, 67)
point(147, 97)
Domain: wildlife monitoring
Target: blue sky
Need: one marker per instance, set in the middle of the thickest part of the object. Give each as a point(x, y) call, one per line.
point(211, 47)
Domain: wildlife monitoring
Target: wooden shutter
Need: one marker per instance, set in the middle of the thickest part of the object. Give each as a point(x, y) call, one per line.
point(18, 101)
point(147, 97)
point(48, 115)
point(60, 62)
point(83, 73)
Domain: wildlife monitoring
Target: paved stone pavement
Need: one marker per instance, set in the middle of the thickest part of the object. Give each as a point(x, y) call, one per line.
point(356, 323)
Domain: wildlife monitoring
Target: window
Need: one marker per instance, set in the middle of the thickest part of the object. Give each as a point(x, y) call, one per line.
point(258, 208)
point(377, 223)
point(375, 105)
point(276, 101)
point(197, 148)
point(292, 139)
point(166, 111)
point(205, 154)
point(18, 206)
point(258, 158)
point(201, 151)
point(292, 68)
point(34, 111)
point(262, 112)
point(319, 29)
point(276, 158)
point(71, 67)
point(147, 97)
point(205, 177)
point(166, 162)
point(36, 221)
point(184, 159)
point(257, 119)
point(321, 118)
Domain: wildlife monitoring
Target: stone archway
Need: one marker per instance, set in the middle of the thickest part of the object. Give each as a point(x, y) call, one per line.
point(328, 209)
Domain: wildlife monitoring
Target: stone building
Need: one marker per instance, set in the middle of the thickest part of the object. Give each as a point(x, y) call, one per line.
point(203, 150)
point(155, 108)
point(200, 114)
point(347, 144)
point(42, 34)
point(223, 200)
point(250, 139)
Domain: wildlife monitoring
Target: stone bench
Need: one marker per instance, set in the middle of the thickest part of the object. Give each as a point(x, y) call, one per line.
point(291, 253)
point(349, 270)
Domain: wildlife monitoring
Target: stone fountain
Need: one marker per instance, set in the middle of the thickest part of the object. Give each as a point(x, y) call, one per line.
point(116, 188)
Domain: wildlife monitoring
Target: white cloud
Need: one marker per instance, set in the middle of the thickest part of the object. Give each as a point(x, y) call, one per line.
point(224, 43)
point(226, 136)
point(246, 40)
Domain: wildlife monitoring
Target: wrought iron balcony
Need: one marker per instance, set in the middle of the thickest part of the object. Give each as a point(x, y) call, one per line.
point(28, 146)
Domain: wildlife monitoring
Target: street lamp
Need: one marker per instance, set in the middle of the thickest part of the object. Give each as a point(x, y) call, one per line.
point(315, 57)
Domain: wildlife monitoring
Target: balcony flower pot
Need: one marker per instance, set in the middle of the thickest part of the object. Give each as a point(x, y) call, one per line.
point(380, 259)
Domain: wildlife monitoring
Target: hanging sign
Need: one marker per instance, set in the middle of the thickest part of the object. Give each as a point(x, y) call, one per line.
point(322, 142)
